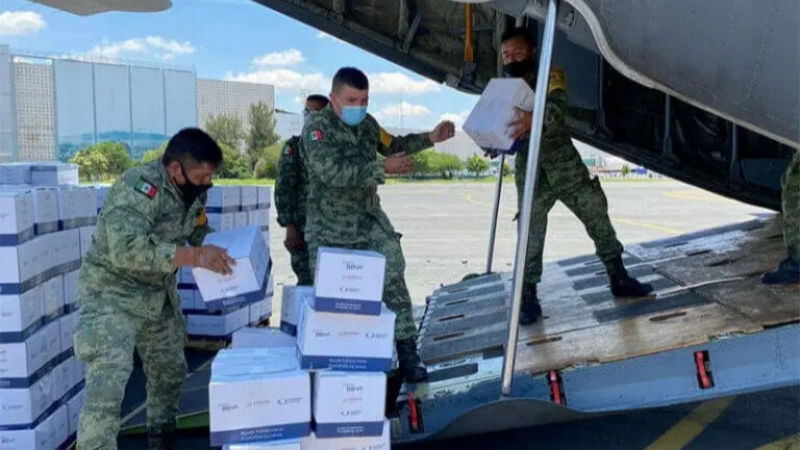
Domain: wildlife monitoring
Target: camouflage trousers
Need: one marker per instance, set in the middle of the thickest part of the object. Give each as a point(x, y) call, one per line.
point(790, 199)
point(395, 292)
point(300, 265)
point(568, 181)
point(105, 342)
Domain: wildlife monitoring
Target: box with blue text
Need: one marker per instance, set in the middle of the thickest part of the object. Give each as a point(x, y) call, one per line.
point(349, 404)
point(349, 281)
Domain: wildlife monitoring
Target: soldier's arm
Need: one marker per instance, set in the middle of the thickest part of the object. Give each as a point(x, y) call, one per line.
point(201, 230)
point(331, 167)
point(286, 185)
point(556, 107)
point(409, 144)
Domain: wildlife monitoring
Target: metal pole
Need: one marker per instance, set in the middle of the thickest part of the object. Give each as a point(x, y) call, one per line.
point(498, 190)
point(537, 122)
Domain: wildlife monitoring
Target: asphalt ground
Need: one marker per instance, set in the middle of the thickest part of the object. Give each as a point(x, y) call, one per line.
point(445, 229)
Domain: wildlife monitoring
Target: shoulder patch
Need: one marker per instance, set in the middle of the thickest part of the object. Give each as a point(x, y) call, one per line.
point(144, 187)
point(386, 138)
point(202, 219)
point(558, 80)
point(315, 135)
point(288, 149)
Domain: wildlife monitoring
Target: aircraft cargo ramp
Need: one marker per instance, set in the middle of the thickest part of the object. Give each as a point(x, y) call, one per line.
point(711, 329)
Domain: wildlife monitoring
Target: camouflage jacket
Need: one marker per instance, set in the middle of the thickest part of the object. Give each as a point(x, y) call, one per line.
point(344, 173)
point(557, 149)
point(291, 186)
point(129, 264)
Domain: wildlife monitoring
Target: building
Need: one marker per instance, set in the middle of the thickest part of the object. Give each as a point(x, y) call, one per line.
point(51, 107)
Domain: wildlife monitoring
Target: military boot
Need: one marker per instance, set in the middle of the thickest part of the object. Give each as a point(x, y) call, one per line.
point(788, 272)
point(411, 365)
point(161, 438)
point(531, 310)
point(624, 285)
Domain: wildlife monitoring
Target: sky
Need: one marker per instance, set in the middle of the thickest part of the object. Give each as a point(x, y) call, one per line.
point(235, 40)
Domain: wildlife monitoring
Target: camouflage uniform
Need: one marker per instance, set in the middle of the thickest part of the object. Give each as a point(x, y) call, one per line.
point(790, 198)
point(564, 177)
point(344, 209)
point(129, 299)
point(290, 201)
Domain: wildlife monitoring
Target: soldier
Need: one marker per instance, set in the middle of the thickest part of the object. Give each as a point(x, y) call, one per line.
point(788, 272)
point(128, 293)
point(290, 196)
point(562, 176)
point(340, 146)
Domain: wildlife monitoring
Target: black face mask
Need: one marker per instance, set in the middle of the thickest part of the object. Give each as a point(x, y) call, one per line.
point(519, 69)
point(191, 191)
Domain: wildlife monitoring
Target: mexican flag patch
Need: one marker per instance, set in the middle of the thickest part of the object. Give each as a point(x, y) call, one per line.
point(143, 187)
point(288, 150)
point(315, 135)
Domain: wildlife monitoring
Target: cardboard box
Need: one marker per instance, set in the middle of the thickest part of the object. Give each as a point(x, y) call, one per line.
point(221, 222)
point(17, 217)
point(247, 282)
point(74, 406)
point(349, 404)
point(15, 173)
point(22, 406)
point(258, 395)
point(62, 380)
point(71, 289)
point(64, 251)
point(67, 326)
point(86, 234)
point(382, 442)
point(217, 325)
point(487, 124)
point(263, 338)
point(249, 200)
point(101, 192)
point(20, 361)
point(264, 197)
point(292, 305)
point(20, 315)
point(19, 265)
point(77, 207)
point(78, 371)
point(188, 299)
point(259, 218)
point(53, 297)
point(347, 342)
point(54, 174)
point(49, 434)
point(291, 444)
point(349, 281)
point(45, 207)
point(240, 219)
point(224, 199)
point(260, 310)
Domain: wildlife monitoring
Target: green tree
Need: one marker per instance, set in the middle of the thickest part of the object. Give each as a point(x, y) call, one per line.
point(154, 154)
point(626, 169)
point(423, 162)
point(267, 165)
point(225, 129)
point(234, 164)
point(447, 165)
point(116, 154)
point(477, 165)
point(506, 169)
point(262, 132)
point(92, 165)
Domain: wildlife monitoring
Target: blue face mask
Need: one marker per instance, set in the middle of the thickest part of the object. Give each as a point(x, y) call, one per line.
point(353, 115)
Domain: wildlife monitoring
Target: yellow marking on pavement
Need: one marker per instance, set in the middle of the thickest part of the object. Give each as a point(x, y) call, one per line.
point(684, 432)
point(637, 223)
point(790, 443)
point(696, 195)
point(475, 202)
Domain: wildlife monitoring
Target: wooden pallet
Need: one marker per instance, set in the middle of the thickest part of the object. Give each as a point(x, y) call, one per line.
point(216, 344)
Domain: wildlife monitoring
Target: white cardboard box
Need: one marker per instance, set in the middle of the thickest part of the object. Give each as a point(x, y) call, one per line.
point(78, 371)
point(258, 395)
point(15, 173)
point(217, 325)
point(487, 124)
point(19, 265)
point(86, 234)
point(54, 174)
point(77, 207)
point(292, 304)
point(349, 404)
point(71, 289)
point(47, 435)
point(224, 199)
point(17, 217)
point(64, 250)
point(221, 222)
point(67, 326)
point(249, 198)
point(240, 219)
point(264, 197)
point(187, 297)
point(260, 310)
point(246, 283)
point(22, 406)
point(347, 342)
point(62, 379)
point(45, 207)
point(290, 444)
point(349, 281)
point(101, 191)
point(20, 360)
point(74, 406)
point(263, 338)
point(259, 218)
point(382, 442)
point(53, 297)
point(20, 315)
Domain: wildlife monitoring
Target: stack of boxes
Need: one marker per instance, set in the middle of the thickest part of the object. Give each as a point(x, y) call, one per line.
point(333, 375)
point(215, 307)
point(43, 217)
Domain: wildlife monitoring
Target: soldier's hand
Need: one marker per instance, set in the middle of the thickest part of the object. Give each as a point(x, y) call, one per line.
point(489, 153)
point(521, 125)
point(215, 259)
point(443, 131)
point(294, 238)
point(398, 163)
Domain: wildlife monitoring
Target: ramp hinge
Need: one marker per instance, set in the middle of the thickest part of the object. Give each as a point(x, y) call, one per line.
point(556, 384)
point(705, 378)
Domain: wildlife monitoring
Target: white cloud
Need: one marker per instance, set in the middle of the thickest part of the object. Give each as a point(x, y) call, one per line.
point(404, 110)
point(324, 35)
point(20, 23)
point(284, 79)
point(399, 83)
point(284, 58)
point(456, 118)
point(114, 50)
